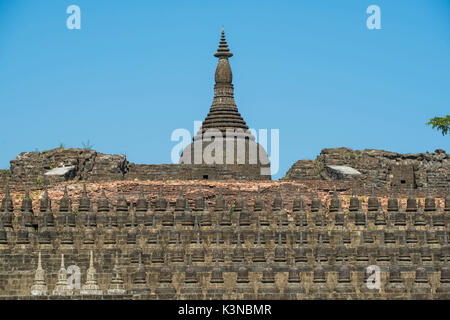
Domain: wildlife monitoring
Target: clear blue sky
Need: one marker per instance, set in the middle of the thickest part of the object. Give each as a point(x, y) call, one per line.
point(137, 70)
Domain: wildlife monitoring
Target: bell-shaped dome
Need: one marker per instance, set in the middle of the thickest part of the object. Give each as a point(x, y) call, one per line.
point(223, 72)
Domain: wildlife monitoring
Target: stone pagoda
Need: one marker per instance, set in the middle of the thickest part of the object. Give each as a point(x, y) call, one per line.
point(224, 143)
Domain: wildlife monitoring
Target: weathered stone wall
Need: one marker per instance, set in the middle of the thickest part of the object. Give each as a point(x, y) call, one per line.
point(387, 170)
point(325, 237)
point(194, 172)
point(209, 189)
point(383, 168)
point(30, 168)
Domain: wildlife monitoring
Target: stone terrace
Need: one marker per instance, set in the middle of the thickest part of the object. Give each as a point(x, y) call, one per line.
point(148, 240)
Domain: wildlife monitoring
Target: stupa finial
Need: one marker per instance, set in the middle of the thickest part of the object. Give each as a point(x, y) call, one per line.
point(223, 52)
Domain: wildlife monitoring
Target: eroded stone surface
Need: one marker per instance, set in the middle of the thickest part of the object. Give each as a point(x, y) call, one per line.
point(60, 171)
point(383, 168)
point(330, 257)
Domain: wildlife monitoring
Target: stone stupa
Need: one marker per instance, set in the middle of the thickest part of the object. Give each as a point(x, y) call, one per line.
point(224, 145)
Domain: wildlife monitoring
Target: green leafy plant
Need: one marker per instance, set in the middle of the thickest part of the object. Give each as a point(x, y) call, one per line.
point(62, 145)
point(440, 123)
point(38, 182)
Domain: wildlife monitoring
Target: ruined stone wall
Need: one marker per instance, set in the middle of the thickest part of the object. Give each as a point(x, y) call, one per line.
point(387, 170)
point(383, 168)
point(30, 168)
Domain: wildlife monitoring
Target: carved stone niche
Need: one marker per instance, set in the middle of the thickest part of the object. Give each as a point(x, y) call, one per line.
point(403, 176)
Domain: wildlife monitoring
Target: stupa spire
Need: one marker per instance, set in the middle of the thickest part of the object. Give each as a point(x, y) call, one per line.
point(224, 122)
point(91, 286)
point(223, 51)
point(39, 287)
point(224, 113)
